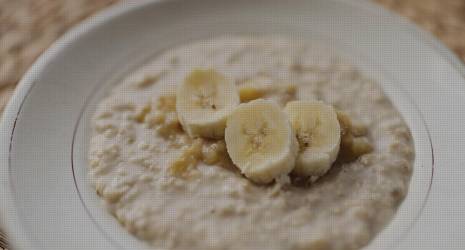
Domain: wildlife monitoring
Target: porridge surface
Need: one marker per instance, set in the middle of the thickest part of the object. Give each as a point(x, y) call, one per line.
point(175, 192)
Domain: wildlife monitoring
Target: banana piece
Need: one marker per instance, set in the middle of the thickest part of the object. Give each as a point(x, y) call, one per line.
point(318, 133)
point(260, 141)
point(264, 87)
point(203, 102)
point(354, 140)
point(255, 88)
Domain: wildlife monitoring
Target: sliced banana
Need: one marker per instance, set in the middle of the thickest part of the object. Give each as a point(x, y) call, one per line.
point(354, 140)
point(318, 133)
point(263, 87)
point(203, 102)
point(255, 88)
point(260, 140)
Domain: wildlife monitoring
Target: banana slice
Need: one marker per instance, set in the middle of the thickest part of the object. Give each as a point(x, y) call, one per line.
point(319, 134)
point(203, 102)
point(260, 141)
point(255, 88)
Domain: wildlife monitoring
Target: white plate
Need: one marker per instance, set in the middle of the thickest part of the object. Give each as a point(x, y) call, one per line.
point(46, 200)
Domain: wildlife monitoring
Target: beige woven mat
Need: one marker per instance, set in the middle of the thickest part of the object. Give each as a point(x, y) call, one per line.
point(28, 27)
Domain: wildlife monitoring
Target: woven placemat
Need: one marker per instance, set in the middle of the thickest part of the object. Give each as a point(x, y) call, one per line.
point(28, 27)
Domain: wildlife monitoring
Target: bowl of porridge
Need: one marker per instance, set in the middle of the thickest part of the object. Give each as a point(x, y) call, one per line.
point(231, 125)
point(171, 178)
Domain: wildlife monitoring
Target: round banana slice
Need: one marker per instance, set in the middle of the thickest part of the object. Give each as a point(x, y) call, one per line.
point(318, 133)
point(260, 141)
point(203, 102)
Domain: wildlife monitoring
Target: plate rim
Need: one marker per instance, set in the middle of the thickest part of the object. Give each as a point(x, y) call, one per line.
point(10, 217)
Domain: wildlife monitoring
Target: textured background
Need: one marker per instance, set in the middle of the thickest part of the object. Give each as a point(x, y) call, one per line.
point(28, 27)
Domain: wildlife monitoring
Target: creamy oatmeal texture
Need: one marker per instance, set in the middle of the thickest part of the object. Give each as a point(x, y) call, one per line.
point(175, 192)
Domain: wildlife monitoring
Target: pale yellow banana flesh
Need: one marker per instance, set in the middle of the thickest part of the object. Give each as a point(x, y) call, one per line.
point(260, 141)
point(203, 102)
point(318, 132)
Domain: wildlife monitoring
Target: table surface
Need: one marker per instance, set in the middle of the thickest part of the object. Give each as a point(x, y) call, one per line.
point(28, 27)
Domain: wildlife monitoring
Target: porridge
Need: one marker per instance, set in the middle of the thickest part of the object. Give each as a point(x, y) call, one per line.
point(175, 185)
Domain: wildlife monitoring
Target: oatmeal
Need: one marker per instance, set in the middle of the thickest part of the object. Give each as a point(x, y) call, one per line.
point(175, 191)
